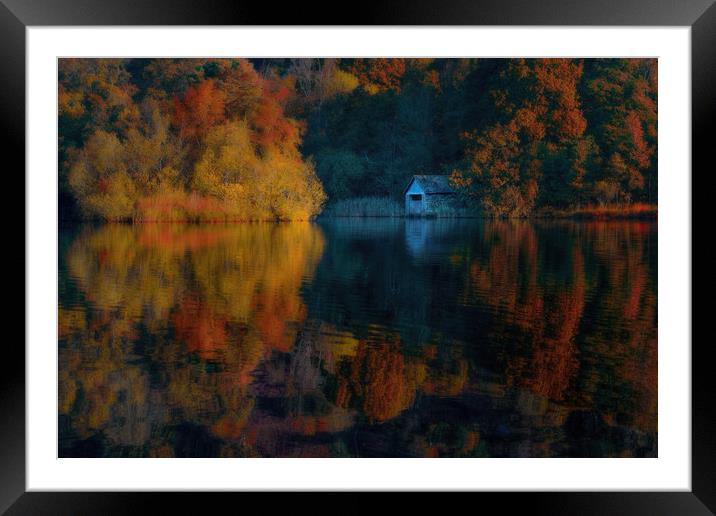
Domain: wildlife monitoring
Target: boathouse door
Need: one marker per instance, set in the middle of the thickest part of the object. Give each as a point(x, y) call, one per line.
point(415, 204)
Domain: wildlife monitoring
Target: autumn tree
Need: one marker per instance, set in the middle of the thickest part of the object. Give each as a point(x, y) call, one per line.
point(535, 151)
point(167, 139)
point(317, 80)
point(93, 94)
point(620, 99)
point(378, 74)
point(198, 109)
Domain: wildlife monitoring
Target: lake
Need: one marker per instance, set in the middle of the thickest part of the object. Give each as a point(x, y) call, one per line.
point(359, 338)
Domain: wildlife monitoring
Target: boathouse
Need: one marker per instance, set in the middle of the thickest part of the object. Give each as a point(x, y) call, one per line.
point(430, 196)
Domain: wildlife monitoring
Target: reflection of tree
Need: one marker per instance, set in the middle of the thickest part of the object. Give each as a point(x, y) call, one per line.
point(519, 339)
point(226, 295)
point(540, 306)
point(626, 328)
point(383, 381)
point(203, 331)
point(553, 362)
point(539, 290)
point(99, 384)
point(380, 379)
point(505, 273)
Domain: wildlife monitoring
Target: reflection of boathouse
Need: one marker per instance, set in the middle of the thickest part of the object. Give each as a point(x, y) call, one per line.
point(424, 238)
point(429, 196)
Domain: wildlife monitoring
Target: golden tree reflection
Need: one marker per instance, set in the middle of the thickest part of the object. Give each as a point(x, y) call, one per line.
point(227, 295)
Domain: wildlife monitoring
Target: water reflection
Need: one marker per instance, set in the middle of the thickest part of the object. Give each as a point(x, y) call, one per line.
point(383, 337)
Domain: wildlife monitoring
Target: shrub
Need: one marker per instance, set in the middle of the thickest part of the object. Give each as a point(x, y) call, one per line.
point(365, 207)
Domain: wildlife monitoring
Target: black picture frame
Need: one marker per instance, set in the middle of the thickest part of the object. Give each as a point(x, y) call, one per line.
point(16, 15)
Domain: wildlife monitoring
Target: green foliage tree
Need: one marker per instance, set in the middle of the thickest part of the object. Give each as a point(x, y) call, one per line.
point(341, 172)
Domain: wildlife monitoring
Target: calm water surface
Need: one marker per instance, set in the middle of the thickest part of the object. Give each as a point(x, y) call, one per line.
point(359, 338)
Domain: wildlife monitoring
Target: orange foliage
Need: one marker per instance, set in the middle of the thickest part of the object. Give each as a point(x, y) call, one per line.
point(636, 210)
point(243, 88)
point(179, 206)
point(432, 79)
point(198, 109)
point(379, 74)
point(640, 151)
point(268, 119)
point(557, 81)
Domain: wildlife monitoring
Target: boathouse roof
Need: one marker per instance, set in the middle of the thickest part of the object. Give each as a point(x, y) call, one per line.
point(432, 184)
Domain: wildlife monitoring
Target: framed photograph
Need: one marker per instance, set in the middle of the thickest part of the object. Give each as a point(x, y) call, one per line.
point(442, 248)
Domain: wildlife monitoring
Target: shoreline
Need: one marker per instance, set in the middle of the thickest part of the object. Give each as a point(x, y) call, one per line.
point(580, 216)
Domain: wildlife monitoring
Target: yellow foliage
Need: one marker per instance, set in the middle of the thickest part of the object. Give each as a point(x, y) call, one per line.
point(272, 185)
point(343, 82)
